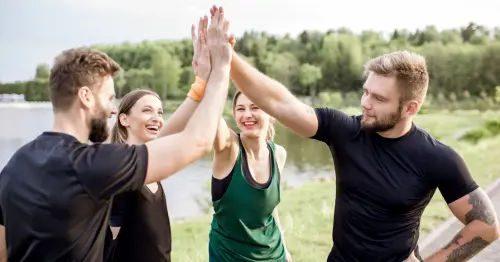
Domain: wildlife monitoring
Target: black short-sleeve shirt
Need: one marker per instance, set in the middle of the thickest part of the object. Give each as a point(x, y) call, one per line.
point(56, 194)
point(383, 186)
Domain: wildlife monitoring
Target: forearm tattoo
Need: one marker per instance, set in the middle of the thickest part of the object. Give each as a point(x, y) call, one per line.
point(454, 241)
point(467, 250)
point(480, 210)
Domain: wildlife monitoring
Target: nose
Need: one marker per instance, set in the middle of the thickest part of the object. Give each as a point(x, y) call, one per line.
point(156, 117)
point(247, 114)
point(114, 110)
point(365, 103)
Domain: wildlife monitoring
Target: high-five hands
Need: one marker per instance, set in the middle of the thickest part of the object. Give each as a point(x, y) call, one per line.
point(232, 39)
point(218, 39)
point(201, 56)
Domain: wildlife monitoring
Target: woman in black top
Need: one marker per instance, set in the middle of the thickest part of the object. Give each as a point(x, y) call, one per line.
point(140, 218)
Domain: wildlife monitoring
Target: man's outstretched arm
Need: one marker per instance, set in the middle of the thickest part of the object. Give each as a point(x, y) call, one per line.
point(476, 211)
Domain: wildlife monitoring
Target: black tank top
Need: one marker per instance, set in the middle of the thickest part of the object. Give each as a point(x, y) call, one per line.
point(145, 226)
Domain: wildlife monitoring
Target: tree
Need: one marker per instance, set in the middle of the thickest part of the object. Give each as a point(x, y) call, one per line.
point(37, 90)
point(474, 33)
point(451, 37)
point(137, 79)
point(309, 77)
point(497, 94)
point(42, 71)
point(342, 63)
point(166, 71)
point(120, 83)
point(284, 67)
point(496, 33)
point(310, 43)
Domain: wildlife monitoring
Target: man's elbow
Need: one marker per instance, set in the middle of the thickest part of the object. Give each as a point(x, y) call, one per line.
point(491, 232)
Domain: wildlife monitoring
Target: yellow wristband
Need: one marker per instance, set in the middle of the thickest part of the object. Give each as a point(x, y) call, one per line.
point(197, 89)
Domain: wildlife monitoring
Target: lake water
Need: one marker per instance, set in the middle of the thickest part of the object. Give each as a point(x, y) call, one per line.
point(188, 191)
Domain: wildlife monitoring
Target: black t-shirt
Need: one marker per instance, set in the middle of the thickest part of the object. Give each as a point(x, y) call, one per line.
point(145, 226)
point(56, 194)
point(383, 186)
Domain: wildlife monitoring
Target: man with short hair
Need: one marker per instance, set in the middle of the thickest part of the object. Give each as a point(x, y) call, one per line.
point(387, 168)
point(56, 191)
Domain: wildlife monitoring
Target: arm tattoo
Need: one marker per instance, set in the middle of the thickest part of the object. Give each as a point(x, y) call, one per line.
point(467, 250)
point(480, 209)
point(454, 241)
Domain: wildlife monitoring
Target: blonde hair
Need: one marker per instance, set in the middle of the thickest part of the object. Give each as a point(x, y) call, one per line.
point(270, 128)
point(119, 132)
point(410, 70)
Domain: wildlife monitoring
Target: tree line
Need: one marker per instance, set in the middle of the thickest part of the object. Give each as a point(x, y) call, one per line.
point(464, 63)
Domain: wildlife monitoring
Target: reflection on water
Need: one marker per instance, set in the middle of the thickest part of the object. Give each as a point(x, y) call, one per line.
point(187, 191)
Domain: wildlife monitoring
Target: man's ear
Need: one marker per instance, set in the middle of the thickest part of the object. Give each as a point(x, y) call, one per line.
point(85, 96)
point(123, 120)
point(412, 108)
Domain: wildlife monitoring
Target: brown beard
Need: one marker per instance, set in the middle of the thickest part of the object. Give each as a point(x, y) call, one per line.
point(99, 131)
point(384, 124)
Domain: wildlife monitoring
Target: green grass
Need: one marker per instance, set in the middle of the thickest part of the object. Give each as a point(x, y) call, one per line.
point(306, 213)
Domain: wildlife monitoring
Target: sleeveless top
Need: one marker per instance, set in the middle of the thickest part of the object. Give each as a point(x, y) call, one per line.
point(243, 228)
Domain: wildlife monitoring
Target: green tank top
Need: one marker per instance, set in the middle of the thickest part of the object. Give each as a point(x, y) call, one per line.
point(243, 228)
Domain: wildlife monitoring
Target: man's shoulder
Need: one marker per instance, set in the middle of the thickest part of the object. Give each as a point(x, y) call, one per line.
point(329, 115)
point(48, 147)
point(432, 146)
point(335, 125)
point(21, 155)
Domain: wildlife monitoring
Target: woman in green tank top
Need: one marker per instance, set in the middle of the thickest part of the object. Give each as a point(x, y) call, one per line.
point(246, 189)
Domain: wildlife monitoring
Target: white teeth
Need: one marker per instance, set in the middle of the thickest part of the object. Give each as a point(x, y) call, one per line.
point(153, 128)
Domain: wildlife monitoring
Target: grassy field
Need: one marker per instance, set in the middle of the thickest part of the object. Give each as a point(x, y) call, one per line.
point(306, 213)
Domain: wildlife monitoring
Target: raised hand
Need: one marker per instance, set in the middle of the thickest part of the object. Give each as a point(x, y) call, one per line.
point(218, 39)
point(232, 39)
point(201, 56)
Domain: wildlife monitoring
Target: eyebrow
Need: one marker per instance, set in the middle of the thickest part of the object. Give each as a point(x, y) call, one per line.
point(380, 97)
point(376, 95)
point(150, 107)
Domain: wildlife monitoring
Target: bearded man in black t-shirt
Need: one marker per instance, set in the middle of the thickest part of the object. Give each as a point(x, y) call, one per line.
point(387, 168)
point(56, 191)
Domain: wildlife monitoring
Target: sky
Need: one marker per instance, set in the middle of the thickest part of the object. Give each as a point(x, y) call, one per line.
point(35, 31)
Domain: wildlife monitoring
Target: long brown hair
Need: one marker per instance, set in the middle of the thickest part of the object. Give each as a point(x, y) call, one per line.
point(119, 132)
point(270, 129)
